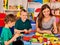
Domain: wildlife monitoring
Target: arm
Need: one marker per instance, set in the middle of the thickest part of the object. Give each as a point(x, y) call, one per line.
point(13, 38)
point(37, 28)
point(5, 35)
point(55, 27)
point(30, 30)
point(27, 31)
point(18, 31)
point(43, 31)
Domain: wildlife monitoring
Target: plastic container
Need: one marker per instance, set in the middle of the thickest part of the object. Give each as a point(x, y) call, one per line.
point(27, 43)
point(37, 44)
point(33, 24)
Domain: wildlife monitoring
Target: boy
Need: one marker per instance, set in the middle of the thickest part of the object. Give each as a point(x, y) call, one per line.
point(6, 34)
point(23, 24)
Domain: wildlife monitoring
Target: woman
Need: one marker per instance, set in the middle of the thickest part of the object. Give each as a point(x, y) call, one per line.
point(46, 22)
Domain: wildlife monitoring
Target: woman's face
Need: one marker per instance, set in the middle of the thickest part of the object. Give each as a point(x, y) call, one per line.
point(46, 12)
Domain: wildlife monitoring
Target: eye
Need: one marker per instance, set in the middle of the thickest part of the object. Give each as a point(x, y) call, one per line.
point(44, 11)
point(48, 10)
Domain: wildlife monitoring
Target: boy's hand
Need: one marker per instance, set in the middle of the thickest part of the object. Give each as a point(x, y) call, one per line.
point(30, 31)
point(6, 43)
point(17, 35)
point(26, 31)
point(17, 31)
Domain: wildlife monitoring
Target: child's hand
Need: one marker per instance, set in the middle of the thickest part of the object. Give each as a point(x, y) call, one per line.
point(6, 43)
point(25, 30)
point(17, 35)
point(17, 31)
point(29, 31)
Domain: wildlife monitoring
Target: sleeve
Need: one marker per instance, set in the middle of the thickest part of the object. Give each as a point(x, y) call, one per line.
point(5, 35)
point(54, 18)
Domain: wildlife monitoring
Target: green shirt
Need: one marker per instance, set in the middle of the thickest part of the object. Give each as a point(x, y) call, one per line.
point(6, 34)
point(20, 25)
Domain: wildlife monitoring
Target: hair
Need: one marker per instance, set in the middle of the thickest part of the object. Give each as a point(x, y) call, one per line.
point(10, 17)
point(41, 16)
point(57, 9)
point(23, 10)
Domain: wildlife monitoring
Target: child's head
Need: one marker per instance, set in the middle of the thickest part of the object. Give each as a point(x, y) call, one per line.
point(57, 11)
point(10, 20)
point(23, 14)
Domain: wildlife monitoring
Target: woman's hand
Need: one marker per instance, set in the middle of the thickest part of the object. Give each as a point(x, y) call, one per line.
point(38, 30)
point(43, 31)
point(54, 31)
point(47, 31)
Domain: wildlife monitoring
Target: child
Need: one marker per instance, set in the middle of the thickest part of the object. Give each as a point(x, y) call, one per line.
point(46, 22)
point(6, 34)
point(23, 24)
point(57, 11)
point(58, 27)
